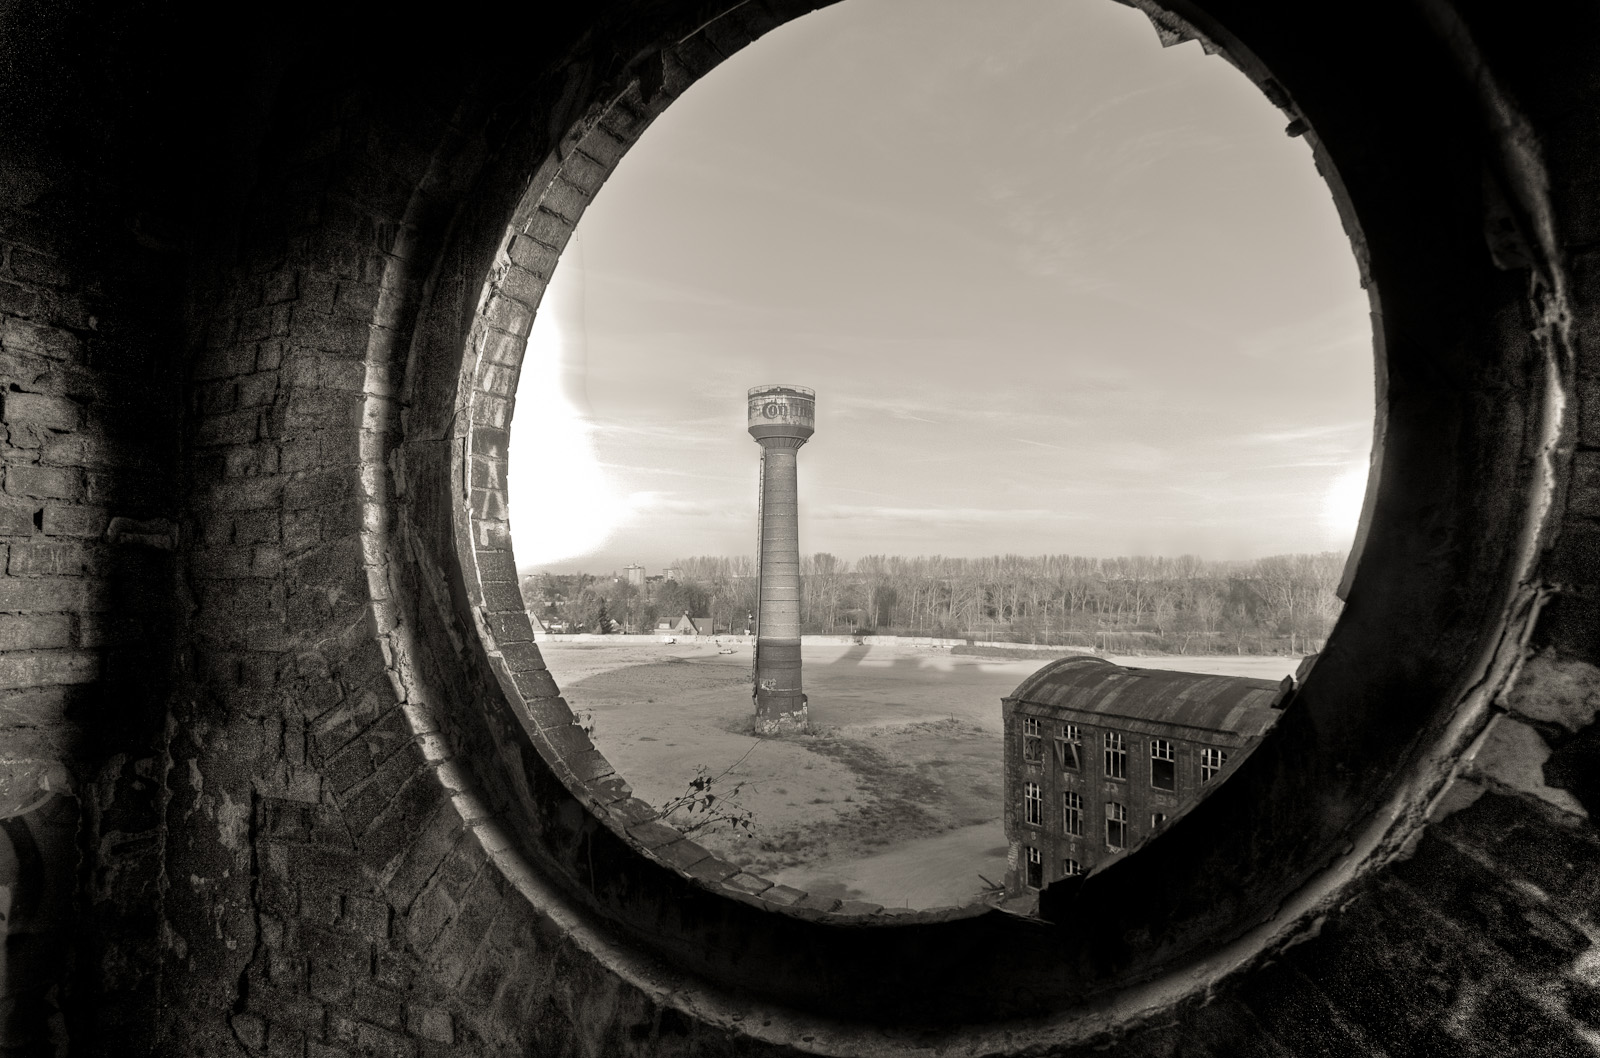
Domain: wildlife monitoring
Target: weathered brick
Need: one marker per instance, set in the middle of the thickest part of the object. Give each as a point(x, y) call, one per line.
point(565, 199)
point(370, 918)
point(230, 428)
point(16, 300)
point(57, 413)
point(95, 450)
point(428, 845)
point(49, 342)
point(74, 521)
point(713, 870)
point(355, 300)
point(58, 483)
point(284, 1041)
point(523, 657)
point(337, 961)
point(331, 333)
point(584, 172)
point(430, 1023)
point(453, 950)
point(316, 294)
point(258, 390)
point(508, 627)
point(246, 494)
point(395, 970)
point(46, 558)
point(365, 800)
point(287, 1008)
point(44, 594)
point(279, 287)
point(535, 684)
point(38, 708)
point(43, 269)
point(35, 632)
point(502, 597)
point(604, 147)
point(496, 566)
point(320, 489)
point(372, 1041)
point(17, 521)
point(250, 1029)
point(377, 1006)
point(384, 836)
point(534, 256)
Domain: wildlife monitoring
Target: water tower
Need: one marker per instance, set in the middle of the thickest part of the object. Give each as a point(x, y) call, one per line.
point(782, 418)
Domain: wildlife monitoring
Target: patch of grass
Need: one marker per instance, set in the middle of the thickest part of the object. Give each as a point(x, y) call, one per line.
point(893, 808)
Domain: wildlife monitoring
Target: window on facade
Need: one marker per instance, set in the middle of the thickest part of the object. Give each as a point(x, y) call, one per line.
point(1163, 765)
point(1068, 747)
point(1072, 814)
point(1070, 868)
point(1211, 762)
point(1035, 868)
point(1032, 744)
point(1116, 756)
point(1032, 803)
point(1157, 819)
point(1116, 826)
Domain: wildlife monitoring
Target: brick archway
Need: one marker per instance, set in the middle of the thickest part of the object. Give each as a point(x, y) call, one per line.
point(1440, 606)
point(377, 830)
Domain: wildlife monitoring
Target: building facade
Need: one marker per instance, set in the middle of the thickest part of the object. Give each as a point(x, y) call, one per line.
point(1099, 757)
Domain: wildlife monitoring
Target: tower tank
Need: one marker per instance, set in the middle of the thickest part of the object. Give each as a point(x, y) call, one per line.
point(782, 418)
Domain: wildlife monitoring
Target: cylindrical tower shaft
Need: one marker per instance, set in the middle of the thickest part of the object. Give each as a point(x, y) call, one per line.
point(778, 624)
point(781, 419)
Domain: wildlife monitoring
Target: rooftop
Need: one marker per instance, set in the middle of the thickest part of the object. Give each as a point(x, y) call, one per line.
point(1084, 683)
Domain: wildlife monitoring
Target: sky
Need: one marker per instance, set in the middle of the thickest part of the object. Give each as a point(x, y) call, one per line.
point(1058, 289)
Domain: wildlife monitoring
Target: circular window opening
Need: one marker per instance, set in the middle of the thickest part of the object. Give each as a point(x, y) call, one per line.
point(1092, 375)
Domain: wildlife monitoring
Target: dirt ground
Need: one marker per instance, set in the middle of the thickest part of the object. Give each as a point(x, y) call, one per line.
point(894, 799)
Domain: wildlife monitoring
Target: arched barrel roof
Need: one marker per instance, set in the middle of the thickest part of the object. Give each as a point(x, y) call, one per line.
point(1084, 683)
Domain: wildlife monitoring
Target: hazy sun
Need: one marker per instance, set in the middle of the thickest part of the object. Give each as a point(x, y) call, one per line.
point(562, 502)
point(1341, 504)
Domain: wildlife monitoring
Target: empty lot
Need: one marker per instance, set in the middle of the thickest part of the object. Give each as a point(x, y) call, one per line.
point(895, 799)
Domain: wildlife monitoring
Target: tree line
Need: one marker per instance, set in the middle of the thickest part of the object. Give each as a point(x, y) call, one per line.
point(1140, 603)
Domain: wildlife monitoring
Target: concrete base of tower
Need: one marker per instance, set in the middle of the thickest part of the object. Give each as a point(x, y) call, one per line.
point(780, 703)
point(788, 717)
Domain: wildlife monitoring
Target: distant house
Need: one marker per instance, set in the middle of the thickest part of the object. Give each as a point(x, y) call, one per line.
point(687, 625)
point(547, 624)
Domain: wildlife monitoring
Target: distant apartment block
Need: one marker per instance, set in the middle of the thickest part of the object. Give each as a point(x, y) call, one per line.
point(1099, 757)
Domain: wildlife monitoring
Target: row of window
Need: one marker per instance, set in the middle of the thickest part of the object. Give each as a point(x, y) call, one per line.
point(1035, 878)
point(1163, 761)
point(1072, 815)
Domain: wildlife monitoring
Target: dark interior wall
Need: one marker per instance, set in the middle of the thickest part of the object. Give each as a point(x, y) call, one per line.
point(242, 264)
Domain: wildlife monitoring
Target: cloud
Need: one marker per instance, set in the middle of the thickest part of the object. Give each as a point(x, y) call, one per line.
point(941, 515)
point(1041, 444)
point(1351, 429)
point(1343, 330)
point(668, 503)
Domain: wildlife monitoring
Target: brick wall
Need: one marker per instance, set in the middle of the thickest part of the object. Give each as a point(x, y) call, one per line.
point(261, 643)
point(91, 288)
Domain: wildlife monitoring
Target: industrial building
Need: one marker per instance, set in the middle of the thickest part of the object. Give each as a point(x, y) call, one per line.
point(1099, 757)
